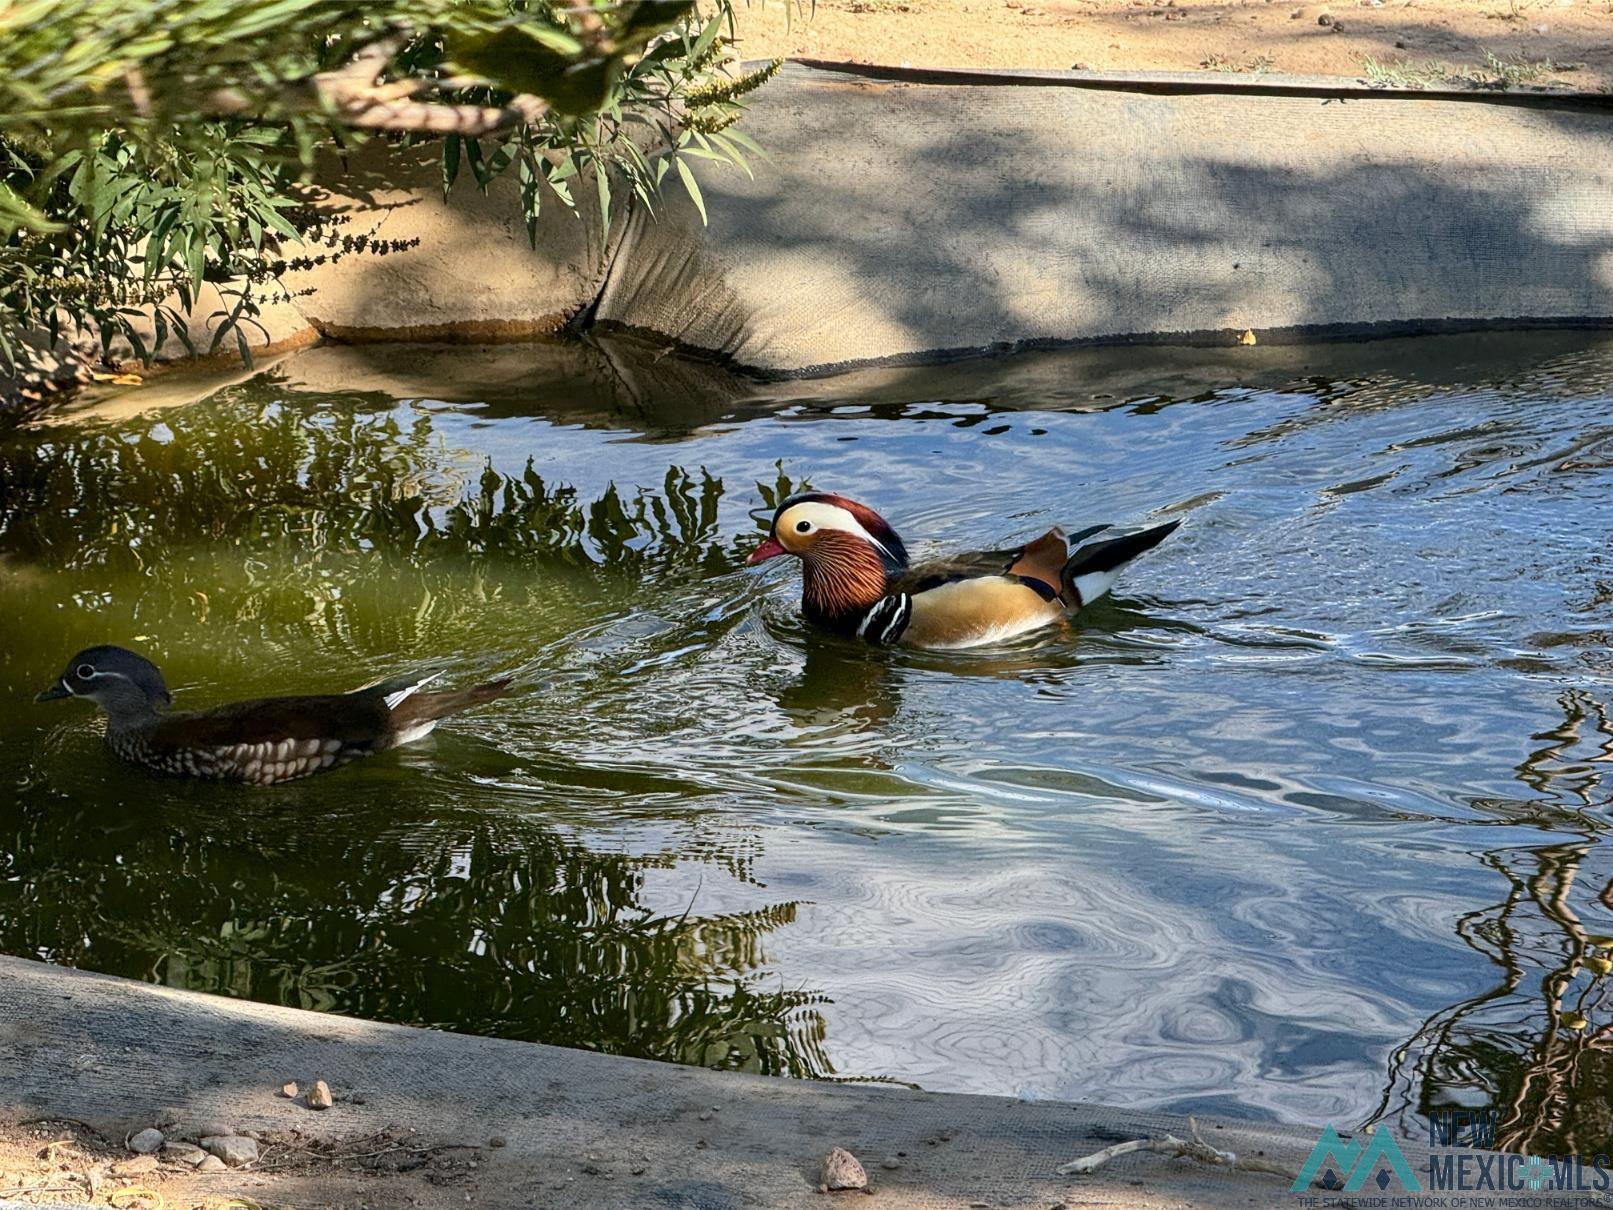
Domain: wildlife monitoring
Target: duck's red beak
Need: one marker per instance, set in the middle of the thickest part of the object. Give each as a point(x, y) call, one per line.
point(770, 549)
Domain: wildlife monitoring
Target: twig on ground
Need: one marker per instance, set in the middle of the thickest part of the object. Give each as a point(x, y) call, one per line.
point(1168, 1144)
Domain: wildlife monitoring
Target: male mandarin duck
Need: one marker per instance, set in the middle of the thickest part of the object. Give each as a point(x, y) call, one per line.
point(856, 580)
point(264, 741)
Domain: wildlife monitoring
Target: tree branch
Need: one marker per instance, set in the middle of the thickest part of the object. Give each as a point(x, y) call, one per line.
point(353, 95)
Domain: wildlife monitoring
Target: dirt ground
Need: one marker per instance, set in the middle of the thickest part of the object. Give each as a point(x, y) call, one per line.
point(59, 1161)
point(1569, 42)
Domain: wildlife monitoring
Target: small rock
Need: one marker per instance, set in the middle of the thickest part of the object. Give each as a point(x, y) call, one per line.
point(289, 1090)
point(639, 1170)
point(183, 1153)
point(319, 1096)
point(498, 1140)
point(146, 1142)
point(890, 1162)
point(705, 1115)
point(232, 1149)
point(358, 1099)
point(823, 1188)
point(139, 1165)
point(215, 1128)
point(212, 1164)
point(1325, 19)
point(842, 1170)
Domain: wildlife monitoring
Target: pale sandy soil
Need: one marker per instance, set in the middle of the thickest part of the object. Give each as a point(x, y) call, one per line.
point(1574, 36)
point(55, 1162)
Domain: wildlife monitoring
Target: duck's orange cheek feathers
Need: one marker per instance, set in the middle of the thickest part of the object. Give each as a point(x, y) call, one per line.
point(772, 548)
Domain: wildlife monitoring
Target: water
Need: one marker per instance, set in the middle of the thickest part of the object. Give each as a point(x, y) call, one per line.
point(1307, 823)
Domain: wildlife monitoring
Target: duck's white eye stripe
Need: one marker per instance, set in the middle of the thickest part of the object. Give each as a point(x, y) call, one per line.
point(832, 516)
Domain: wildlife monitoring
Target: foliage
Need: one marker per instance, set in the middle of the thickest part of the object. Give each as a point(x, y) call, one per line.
point(1497, 74)
point(150, 146)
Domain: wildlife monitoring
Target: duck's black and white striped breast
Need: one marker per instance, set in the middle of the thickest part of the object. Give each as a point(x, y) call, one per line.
point(886, 619)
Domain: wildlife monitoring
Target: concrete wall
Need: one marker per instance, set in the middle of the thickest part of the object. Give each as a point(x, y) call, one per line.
point(909, 215)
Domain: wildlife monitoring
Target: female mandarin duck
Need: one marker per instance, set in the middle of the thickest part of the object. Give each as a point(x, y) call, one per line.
point(263, 741)
point(856, 580)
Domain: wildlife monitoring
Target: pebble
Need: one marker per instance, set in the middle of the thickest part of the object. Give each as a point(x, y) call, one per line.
point(183, 1153)
point(232, 1149)
point(319, 1096)
point(842, 1170)
point(705, 1115)
point(212, 1164)
point(289, 1090)
point(498, 1140)
point(214, 1128)
point(146, 1142)
point(1325, 19)
point(891, 1162)
point(138, 1165)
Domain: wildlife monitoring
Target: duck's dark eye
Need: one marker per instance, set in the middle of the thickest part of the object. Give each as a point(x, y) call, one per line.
point(84, 672)
point(803, 527)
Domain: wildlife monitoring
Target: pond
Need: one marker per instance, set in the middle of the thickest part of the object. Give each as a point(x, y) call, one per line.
point(1305, 823)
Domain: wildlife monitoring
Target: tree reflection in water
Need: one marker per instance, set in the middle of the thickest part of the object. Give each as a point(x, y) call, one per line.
point(1529, 1046)
point(265, 528)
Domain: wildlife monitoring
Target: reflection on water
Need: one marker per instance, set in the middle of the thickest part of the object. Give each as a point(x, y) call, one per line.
point(1536, 1044)
point(1306, 823)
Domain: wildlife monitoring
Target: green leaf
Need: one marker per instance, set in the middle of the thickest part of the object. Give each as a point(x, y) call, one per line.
point(646, 18)
point(478, 167)
point(450, 162)
point(707, 36)
point(537, 59)
point(693, 187)
point(602, 185)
